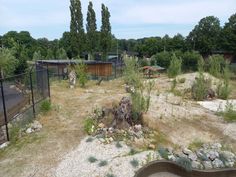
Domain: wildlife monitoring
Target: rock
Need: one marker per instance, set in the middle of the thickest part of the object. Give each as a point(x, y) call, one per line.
point(111, 139)
point(201, 155)
point(171, 157)
point(4, 145)
point(111, 130)
point(29, 130)
point(102, 140)
point(151, 146)
point(229, 156)
point(36, 126)
point(197, 165)
point(207, 165)
point(192, 156)
point(229, 164)
point(217, 163)
point(138, 127)
point(187, 151)
point(216, 146)
point(212, 155)
point(101, 125)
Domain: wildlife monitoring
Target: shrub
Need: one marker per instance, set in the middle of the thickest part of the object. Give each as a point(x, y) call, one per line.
point(185, 163)
point(102, 163)
point(163, 59)
point(134, 163)
point(216, 64)
point(175, 67)
point(195, 145)
point(89, 125)
point(82, 74)
point(92, 159)
point(45, 106)
point(223, 89)
point(190, 60)
point(230, 113)
point(163, 152)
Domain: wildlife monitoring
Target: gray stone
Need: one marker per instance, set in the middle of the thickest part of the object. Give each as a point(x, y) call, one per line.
point(171, 157)
point(36, 126)
point(202, 156)
point(29, 130)
point(138, 127)
point(196, 165)
point(192, 156)
point(229, 156)
point(217, 163)
point(212, 155)
point(207, 165)
point(4, 145)
point(187, 151)
point(229, 164)
point(216, 146)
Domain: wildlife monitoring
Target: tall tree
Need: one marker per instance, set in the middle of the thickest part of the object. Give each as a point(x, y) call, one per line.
point(229, 34)
point(7, 62)
point(106, 37)
point(37, 56)
point(91, 28)
point(61, 54)
point(76, 28)
point(205, 36)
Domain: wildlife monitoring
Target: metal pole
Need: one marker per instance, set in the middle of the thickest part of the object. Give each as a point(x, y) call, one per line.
point(5, 112)
point(32, 93)
point(49, 94)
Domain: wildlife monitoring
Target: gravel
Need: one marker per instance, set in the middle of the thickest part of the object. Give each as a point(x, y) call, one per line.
point(76, 163)
point(217, 105)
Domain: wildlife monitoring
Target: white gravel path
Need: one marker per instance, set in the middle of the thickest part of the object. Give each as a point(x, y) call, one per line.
point(76, 163)
point(217, 105)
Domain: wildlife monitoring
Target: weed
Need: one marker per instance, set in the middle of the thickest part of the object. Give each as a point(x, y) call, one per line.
point(90, 139)
point(230, 113)
point(102, 163)
point(118, 144)
point(175, 67)
point(182, 80)
point(163, 152)
point(133, 151)
point(92, 159)
point(223, 89)
point(45, 106)
point(196, 144)
point(82, 75)
point(89, 125)
point(134, 163)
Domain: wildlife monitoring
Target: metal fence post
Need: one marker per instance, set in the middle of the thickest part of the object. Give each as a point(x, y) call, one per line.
point(49, 94)
point(32, 92)
point(5, 112)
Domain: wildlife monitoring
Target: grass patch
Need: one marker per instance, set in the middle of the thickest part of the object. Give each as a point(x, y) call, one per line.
point(92, 159)
point(102, 163)
point(132, 151)
point(196, 144)
point(134, 163)
point(163, 152)
point(89, 125)
point(45, 106)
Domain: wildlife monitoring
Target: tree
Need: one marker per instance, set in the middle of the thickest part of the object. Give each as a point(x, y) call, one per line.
point(91, 28)
point(76, 28)
point(50, 54)
point(65, 43)
point(7, 62)
point(105, 38)
point(22, 62)
point(229, 35)
point(37, 56)
point(61, 54)
point(205, 36)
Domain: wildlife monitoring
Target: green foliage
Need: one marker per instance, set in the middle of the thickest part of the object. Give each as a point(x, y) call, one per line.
point(195, 145)
point(134, 163)
point(37, 56)
point(182, 80)
point(92, 159)
point(190, 60)
point(143, 62)
point(61, 54)
point(173, 85)
point(82, 74)
point(216, 63)
point(105, 36)
point(102, 163)
point(7, 62)
point(223, 89)
point(50, 55)
point(45, 106)
point(163, 152)
point(200, 88)
point(89, 125)
point(230, 113)
point(163, 59)
point(175, 67)
point(133, 151)
point(185, 163)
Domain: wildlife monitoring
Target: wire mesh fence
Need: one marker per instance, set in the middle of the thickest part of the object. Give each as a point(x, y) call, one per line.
point(19, 98)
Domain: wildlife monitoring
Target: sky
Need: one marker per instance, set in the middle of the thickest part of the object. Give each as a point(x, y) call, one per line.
point(129, 18)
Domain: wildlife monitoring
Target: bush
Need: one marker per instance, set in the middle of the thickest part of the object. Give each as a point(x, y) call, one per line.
point(216, 65)
point(230, 113)
point(175, 67)
point(223, 89)
point(185, 163)
point(45, 106)
point(89, 125)
point(190, 60)
point(82, 74)
point(163, 59)
point(102, 163)
point(92, 159)
point(182, 80)
point(200, 88)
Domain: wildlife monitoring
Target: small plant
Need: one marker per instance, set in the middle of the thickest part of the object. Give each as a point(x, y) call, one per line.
point(89, 125)
point(102, 163)
point(230, 112)
point(173, 85)
point(185, 163)
point(163, 152)
point(133, 151)
point(223, 89)
point(216, 63)
point(81, 73)
point(110, 175)
point(175, 67)
point(134, 163)
point(196, 144)
point(92, 159)
point(90, 139)
point(45, 106)
point(118, 145)
point(182, 80)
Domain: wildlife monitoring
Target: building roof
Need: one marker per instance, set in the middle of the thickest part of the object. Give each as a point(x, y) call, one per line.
point(70, 62)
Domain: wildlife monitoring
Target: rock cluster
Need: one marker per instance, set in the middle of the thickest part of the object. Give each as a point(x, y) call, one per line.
point(34, 127)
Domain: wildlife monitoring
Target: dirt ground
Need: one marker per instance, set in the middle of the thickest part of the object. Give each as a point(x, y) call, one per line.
point(181, 121)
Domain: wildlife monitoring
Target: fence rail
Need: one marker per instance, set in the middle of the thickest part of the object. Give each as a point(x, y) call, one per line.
point(20, 96)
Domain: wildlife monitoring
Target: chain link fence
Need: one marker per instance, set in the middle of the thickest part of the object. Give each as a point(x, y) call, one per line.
point(20, 97)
